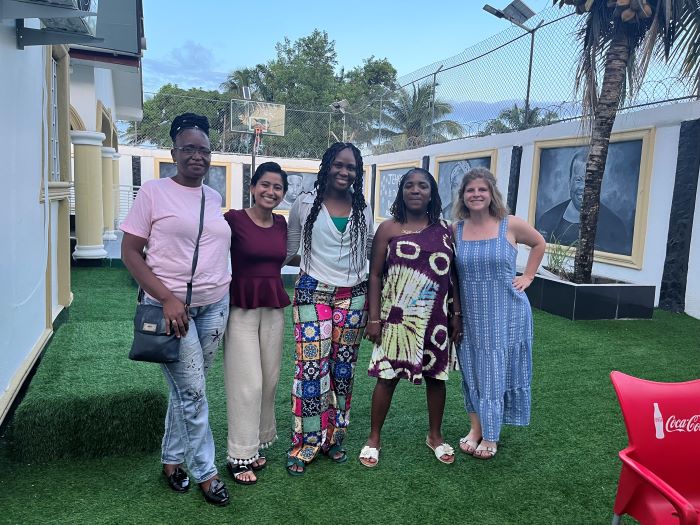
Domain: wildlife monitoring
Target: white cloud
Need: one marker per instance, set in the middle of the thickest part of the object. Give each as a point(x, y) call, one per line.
point(191, 65)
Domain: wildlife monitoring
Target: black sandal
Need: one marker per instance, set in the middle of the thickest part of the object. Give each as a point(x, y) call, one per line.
point(217, 494)
point(334, 450)
point(237, 470)
point(258, 467)
point(179, 481)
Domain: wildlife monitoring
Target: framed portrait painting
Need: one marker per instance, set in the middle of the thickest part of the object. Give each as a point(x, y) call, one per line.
point(298, 181)
point(386, 185)
point(217, 178)
point(450, 170)
point(557, 194)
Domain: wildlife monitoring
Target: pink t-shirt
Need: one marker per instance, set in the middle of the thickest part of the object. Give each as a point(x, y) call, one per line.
point(167, 215)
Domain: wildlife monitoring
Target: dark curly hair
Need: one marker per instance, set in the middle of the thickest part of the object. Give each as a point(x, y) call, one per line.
point(188, 121)
point(398, 208)
point(357, 223)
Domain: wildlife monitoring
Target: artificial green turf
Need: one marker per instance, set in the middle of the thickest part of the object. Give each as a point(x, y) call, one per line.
point(87, 399)
point(563, 468)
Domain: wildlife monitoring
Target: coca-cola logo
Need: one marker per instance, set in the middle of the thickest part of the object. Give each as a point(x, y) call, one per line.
point(691, 424)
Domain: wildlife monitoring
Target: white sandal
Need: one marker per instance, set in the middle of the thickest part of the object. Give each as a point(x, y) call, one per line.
point(443, 449)
point(485, 452)
point(471, 444)
point(367, 453)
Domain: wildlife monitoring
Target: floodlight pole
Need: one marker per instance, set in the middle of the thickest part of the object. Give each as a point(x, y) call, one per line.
point(330, 117)
point(432, 109)
point(500, 14)
point(529, 69)
point(381, 110)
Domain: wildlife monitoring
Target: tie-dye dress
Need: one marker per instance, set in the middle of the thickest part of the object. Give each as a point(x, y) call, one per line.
point(415, 293)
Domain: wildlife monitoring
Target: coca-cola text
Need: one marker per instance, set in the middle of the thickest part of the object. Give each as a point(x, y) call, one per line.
point(691, 424)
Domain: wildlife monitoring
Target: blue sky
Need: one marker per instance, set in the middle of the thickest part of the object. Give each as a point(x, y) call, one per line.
point(197, 44)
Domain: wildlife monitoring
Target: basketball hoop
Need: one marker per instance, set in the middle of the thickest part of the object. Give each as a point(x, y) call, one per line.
point(258, 128)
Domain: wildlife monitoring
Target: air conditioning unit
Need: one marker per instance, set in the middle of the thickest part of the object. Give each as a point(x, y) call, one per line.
point(63, 21)
point(84, 25)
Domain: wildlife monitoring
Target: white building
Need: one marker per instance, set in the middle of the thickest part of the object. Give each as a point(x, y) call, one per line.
point(59, 88)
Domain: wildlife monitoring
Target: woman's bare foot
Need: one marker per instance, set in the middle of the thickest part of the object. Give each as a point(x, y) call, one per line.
point(486, 449)
point(259, 463)
point(369, 455)
point(469, 442)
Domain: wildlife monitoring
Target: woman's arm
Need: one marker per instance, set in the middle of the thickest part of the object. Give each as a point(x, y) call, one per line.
point(529, 236)
point(370, 232)
point(294, 230)
point(456, 317)
point(173, 308)
point(373, 332)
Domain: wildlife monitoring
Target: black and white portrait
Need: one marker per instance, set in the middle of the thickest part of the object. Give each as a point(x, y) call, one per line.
point(560, 195)
point(298, 182)
point(388, 186)
point(450, 174)
point(215, 178)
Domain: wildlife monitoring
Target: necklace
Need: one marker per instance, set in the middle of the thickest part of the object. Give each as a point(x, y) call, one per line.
point(406, 232)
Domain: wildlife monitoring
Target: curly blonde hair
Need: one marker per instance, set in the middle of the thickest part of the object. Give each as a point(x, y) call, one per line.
point(497, 208)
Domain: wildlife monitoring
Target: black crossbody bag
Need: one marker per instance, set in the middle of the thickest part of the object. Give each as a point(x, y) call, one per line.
point(151, 344)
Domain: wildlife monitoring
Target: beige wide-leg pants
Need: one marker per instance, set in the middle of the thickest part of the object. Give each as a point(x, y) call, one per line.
point(252, 356)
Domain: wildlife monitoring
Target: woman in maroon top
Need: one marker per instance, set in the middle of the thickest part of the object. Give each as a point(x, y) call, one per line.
point(255, 330)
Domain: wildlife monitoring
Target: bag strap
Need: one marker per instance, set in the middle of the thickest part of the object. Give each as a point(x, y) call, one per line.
point(195, 256)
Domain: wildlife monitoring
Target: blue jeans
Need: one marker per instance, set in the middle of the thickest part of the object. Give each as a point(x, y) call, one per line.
point(188, 438)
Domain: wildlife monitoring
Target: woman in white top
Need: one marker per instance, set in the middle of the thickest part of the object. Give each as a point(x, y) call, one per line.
point(334, 227)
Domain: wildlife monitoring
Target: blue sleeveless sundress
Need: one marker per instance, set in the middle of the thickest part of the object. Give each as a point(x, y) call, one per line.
point(495, 356)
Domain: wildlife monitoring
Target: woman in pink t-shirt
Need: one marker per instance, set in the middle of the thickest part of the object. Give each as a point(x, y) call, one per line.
point(164, 221)
point(255, 331)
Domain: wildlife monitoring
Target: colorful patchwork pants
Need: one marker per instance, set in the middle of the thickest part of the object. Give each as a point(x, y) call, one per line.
point(329, 323)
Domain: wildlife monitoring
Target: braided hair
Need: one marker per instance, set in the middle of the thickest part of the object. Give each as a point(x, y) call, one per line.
point(188, 121)
point(357, 223)
point(398, 208)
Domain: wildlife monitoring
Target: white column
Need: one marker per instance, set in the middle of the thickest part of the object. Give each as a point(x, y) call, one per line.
point(117, 189)
point(108, 194)
point(88, 194)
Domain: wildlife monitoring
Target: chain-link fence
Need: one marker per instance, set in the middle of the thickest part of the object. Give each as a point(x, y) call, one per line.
point(511, 81)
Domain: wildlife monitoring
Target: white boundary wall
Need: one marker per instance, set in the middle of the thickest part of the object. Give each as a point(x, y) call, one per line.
point(666, 122)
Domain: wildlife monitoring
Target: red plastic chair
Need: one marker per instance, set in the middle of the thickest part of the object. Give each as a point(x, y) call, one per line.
point(660, 477)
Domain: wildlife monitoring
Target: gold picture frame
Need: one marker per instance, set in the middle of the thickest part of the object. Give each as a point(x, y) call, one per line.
point(385, 189)
point(622, 221)
point(446, 166)
point(161, 162)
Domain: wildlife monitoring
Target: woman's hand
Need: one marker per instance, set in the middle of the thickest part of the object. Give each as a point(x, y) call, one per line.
point(373, 332)
point(176, 316)
point(521, 282)
point(456, 329)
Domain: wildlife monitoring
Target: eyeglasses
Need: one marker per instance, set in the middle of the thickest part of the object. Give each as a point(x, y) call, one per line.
point(339, 166)
point(191, 150)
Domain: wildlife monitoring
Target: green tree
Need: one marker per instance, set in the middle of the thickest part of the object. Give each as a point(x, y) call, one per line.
point(362, 87)
point(166, 104)
point(624, 36)
point(412, 118)
point(303, 77)
point(513, 119)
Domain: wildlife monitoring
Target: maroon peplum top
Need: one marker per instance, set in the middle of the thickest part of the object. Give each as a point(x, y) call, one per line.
point(257, 255)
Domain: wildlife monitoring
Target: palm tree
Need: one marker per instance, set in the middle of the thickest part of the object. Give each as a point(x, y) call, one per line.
point(412, 116)
point(625, 35)
point(513, 119)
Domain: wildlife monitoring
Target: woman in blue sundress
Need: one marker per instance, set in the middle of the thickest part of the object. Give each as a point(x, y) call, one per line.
point(495, 356)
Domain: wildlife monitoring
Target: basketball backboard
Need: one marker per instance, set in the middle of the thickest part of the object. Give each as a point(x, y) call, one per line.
point(247, 114)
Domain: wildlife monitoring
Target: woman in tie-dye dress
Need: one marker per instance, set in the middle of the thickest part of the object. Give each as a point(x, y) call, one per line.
point(410, 308)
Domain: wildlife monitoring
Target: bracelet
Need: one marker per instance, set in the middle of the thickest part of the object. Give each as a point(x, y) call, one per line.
point(459, 314)
point(374, 322)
